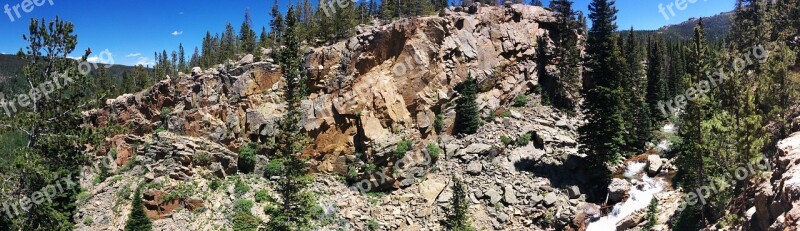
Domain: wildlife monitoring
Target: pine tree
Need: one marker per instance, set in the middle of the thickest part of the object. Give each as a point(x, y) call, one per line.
point(562, 88)
point(181, 58)
point(602, 135)
point(467, 114)
point(263, 38)
point(137, 219)
point(458, 212)
point(536, 2)
point(228, 44)
point(276, 25)
point(295, 207)
point(652, 215)
point(247, 36)
point(53, 134)
point(656, 81)
point(693, 150)
point(208, 57)
point(194, 61)
point(638, 114)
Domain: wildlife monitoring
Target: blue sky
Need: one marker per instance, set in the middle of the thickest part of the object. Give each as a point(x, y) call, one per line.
point(133, 30)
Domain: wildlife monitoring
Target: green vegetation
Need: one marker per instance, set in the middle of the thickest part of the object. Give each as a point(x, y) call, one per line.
point(274, 168)
point(434, 151)
point(401, 149)
point(520, 101)
point(506, 140)
point(137, 219)
point(652, 213)
point(372, 225)
point(248, 158)
point(242, 219)
point(240, 187)
point(438, 124)
point(262, 196)
point(458, 218)
point(202, 158)
point(467, 114)
point(524, 140)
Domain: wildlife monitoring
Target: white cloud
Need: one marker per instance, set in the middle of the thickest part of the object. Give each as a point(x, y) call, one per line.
point(104, 57)
point(144, 62)
point(135, 55)
point(176, 33)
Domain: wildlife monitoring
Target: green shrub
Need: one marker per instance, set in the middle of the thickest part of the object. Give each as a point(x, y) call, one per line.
point(183, 191)
point(506, 140)
point(274, 168)
point(372, 225)
point(434, 151)
point(164, 114)
point(240, 206)
point(262, 196)
point(401, 148)
point(240, 187)
point(215, 184)
point(438, 124)
point(524, 139)
point(88, 220)
point(245, 222)
point(369, 168)
point(352, 172)
point(505, 114)
point(202, 158)
point(247, 157)
point(520, 101)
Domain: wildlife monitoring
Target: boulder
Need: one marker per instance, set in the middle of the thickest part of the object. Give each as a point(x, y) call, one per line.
point(475, 167)
point(574, 192)
point(509, 195)
point(476, 148)
point(617, 190)
point(431, 188)
point(654, 164)
point(494, 196)
point(550, 199)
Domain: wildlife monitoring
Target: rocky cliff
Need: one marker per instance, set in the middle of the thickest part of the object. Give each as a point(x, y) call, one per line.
point(181, 138)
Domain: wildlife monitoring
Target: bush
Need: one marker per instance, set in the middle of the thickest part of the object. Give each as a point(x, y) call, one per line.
point(372, 225)
point(438, 124)
point(245, 222)
point(434, 151)
point(352, 172)
point(164, 114)
point(247, 158)
point(240, 187)
point(215, 184)
point(505, 114)
point(524, 139)
point(506, 140)
point(201, 159)
point(520, 101)
point(401, 148)
point(274, 168)
point(262, 196)
point(240, 206)
point(369, 168)
point(181, 192)
point(88, 220)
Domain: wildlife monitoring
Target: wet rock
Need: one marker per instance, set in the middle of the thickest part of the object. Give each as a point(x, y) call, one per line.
point(618, 190)
point(654, 164)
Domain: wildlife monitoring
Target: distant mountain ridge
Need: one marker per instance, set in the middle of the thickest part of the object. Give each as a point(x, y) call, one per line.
point(717, 26)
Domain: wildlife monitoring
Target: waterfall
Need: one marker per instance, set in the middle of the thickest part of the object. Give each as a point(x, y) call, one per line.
point(640, 195)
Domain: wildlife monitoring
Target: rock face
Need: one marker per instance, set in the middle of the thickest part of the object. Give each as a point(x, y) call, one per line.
point(367, 94)
point(776, 201)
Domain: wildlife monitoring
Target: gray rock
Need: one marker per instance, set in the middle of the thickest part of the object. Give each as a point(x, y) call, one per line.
point(476, 148)
point(502, 217)
point(475, 167)
point(574, 192)
point(450, 149)
point(550, 199)
point(618, 189)
point(494, 196)
point(654, 164)
point(509, 195)
point(536, 199)
point(247, 59)
point(196, 71)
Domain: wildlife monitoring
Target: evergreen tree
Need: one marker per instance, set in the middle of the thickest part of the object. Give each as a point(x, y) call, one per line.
point(602, 135)
point(638, 114)
point(693, 149)
point(208, 58)
point(276, 25)
point(228, 44)
point(264, 38)
point(563, 88)
point(458, 212)
point(50, 128)
point(467, 113)
point(656, 81)
point(181, 58)
point(652, 215)
point(536, 2)
point(137, 219)
point(248, 36)
point(194, 61)
point(296, 204)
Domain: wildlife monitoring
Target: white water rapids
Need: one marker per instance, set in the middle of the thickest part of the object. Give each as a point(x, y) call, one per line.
point(640, 195)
